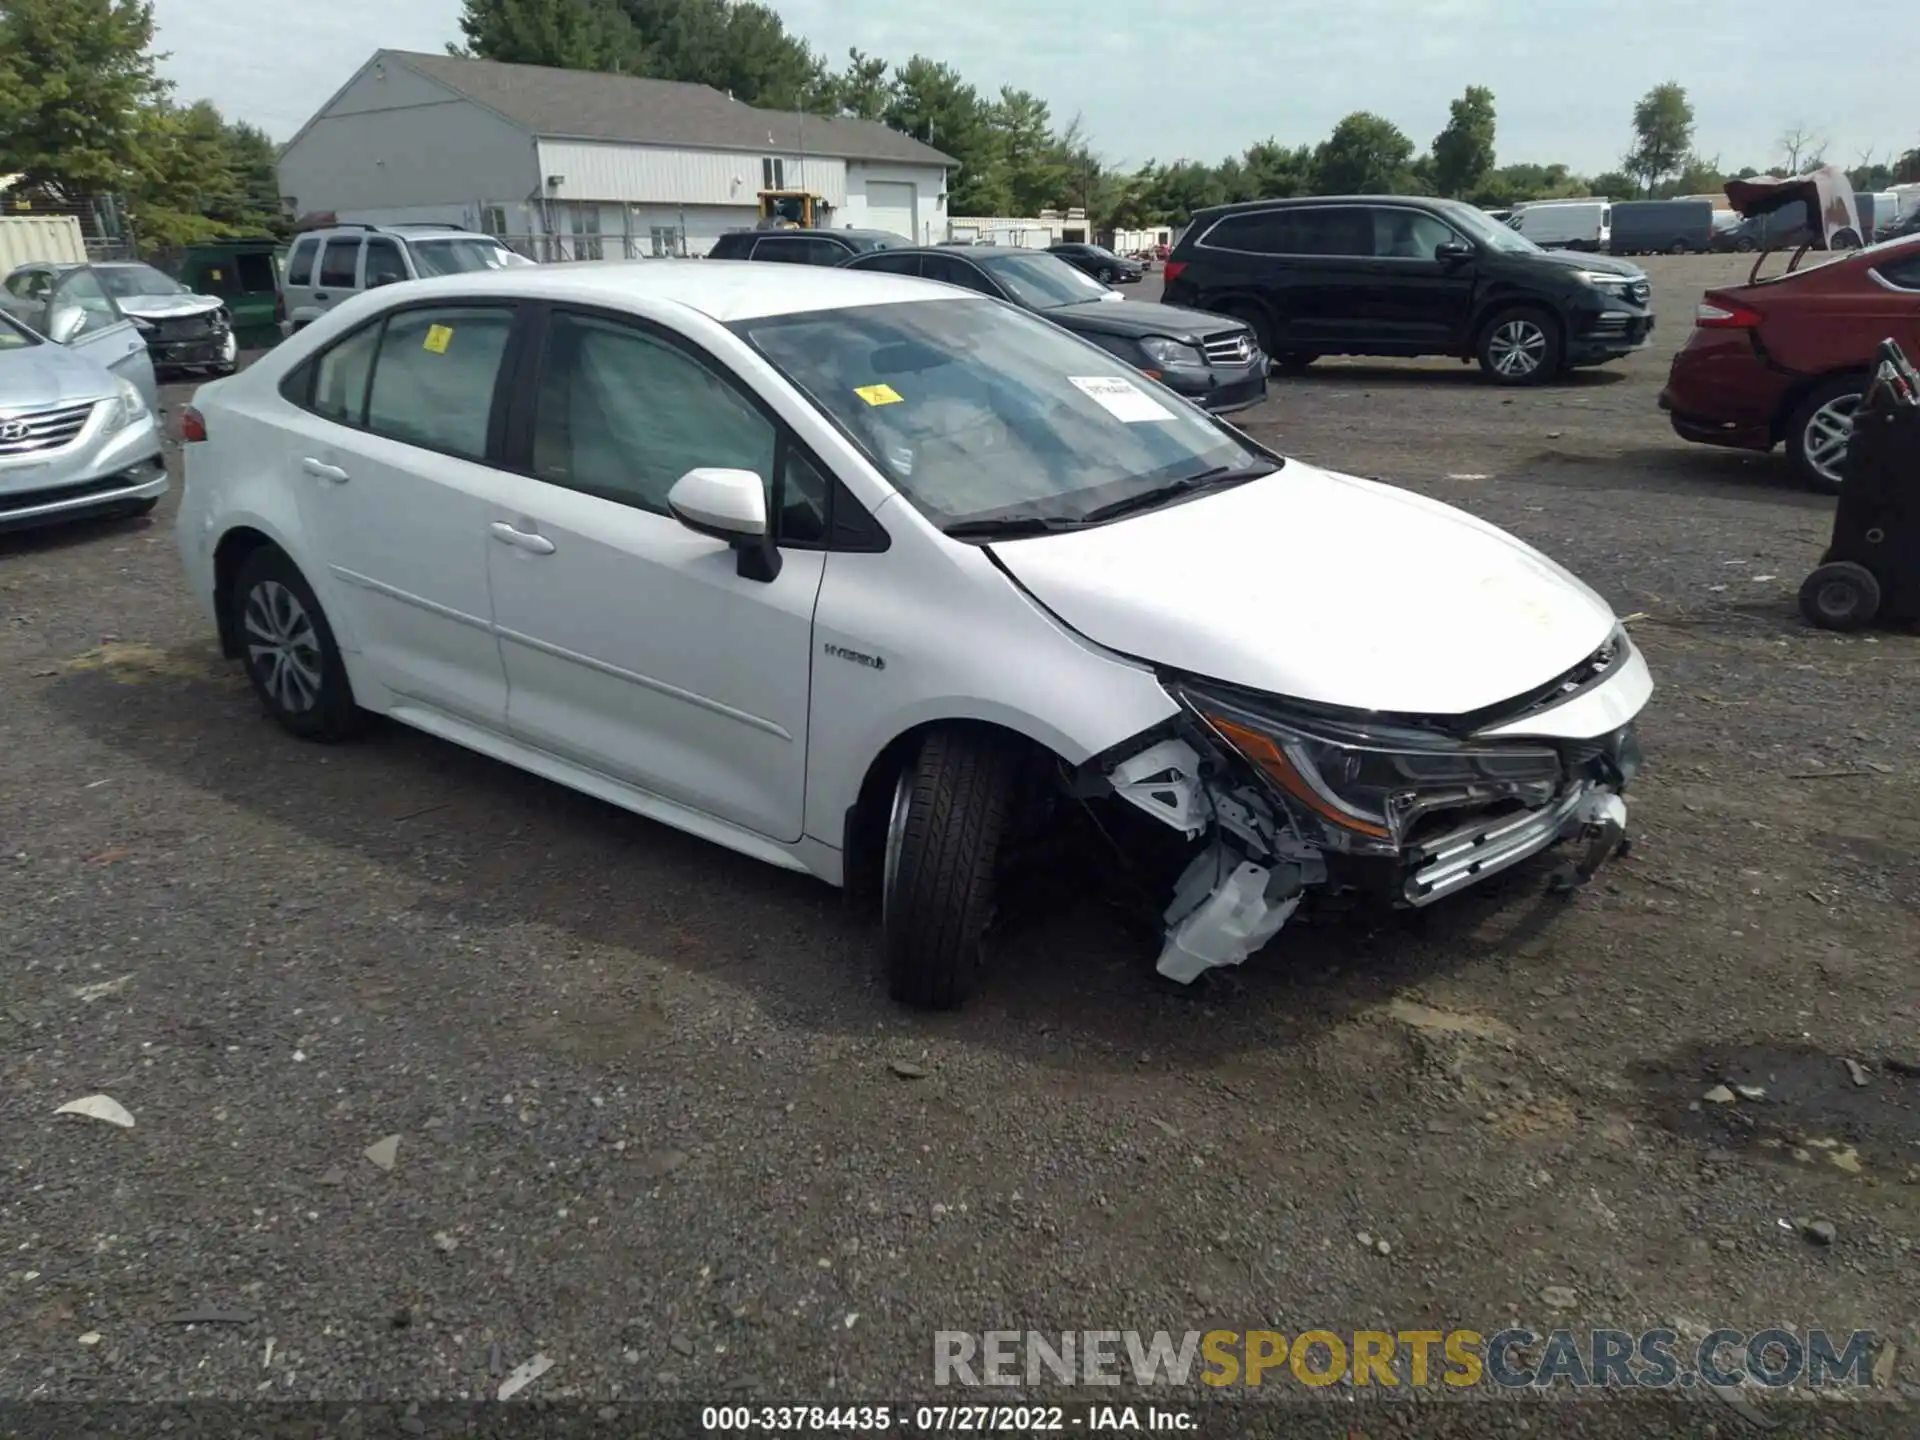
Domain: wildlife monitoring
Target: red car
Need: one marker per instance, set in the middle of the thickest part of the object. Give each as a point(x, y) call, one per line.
point(1787, 359)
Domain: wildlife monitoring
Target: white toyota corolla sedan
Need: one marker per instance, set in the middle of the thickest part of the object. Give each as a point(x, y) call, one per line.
point(888, 582)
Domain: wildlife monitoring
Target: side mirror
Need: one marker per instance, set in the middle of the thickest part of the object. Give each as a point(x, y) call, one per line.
point(729, 505)
point(66, 323)
point(1450, 251)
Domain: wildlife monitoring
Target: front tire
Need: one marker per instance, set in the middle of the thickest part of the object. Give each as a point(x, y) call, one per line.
point(1840, 596)
point(1521, 346)
point(949, 816)
point(288, 647)
point(1105, 275)
point(1818, 434)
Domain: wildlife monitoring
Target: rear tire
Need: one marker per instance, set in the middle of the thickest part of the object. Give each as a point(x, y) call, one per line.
point(289, 650)
point(949, 815)
point(1521, 346)
point(1294, 364)
point(1840, 596)
point(1816, 435)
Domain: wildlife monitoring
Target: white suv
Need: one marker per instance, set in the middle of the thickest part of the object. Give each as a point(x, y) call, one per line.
point(327, 266)
point(881, 580)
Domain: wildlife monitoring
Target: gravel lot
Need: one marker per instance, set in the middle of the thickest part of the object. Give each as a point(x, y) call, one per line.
point(649, 1117)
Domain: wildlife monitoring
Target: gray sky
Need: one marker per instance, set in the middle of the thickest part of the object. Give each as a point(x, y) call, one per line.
point(1166, 78)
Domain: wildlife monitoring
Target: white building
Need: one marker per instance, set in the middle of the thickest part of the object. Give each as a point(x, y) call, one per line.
point(592, 165)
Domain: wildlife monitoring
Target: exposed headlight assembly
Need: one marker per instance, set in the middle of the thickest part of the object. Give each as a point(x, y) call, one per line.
point(1357, 787)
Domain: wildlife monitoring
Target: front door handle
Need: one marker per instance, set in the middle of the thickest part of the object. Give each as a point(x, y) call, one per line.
point(321, 295)
point(320, 470)
point(520, 539)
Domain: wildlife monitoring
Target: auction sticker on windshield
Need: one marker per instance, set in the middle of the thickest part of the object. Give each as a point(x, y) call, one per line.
point(438, 338)
point(1121, 399)
point(878, 394)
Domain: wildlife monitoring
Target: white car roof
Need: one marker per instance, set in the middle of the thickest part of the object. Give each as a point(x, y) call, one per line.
point(722, 290)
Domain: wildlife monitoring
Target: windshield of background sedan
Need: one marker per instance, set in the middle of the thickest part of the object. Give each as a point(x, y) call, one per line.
point(981, 412)
point(462, 256)
point(1043, 282)
point(124, 282)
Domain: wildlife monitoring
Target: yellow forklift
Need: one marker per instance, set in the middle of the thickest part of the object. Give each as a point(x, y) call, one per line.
point(791, 210)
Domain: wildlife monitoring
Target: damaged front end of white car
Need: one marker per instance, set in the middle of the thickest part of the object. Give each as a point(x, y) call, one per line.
point(1280, 800)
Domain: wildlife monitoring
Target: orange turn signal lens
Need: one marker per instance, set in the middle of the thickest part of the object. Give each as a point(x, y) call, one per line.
point(1274, 764)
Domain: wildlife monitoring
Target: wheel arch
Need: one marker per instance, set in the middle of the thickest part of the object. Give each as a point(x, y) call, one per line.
point(1796, 394)
point(864, 827)
point(240, 540)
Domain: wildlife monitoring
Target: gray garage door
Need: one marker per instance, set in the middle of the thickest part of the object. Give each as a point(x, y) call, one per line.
point(890, 207)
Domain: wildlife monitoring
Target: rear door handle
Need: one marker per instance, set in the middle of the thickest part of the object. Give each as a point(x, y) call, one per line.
point(320, 295)
point(320, 470)
point(520, 539)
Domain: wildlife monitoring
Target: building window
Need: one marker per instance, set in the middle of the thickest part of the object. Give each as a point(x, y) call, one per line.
point(668, 240)
point(773, 173)
point(493, 219)
point(586, 231)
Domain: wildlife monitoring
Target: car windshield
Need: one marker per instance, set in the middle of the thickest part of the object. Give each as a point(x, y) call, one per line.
point(14, 336)
point(1490, 232)
point(1043, 282)
point(123, 282)
point(979, 412)
point(462, 255)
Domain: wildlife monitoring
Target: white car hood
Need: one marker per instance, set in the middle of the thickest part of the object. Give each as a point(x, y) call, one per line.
point(167, 307)
point(1322, 587)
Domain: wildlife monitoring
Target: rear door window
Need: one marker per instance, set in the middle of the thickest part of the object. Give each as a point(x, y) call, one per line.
point(300, 263)
point(1904, 272)
point(338, 263)
point(433, 378)
point(949, 271)
point(890, 264)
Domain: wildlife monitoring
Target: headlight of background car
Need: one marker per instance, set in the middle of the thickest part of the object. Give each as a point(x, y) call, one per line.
point(1172, 354)
point(128, 407)
point(1600, 280)
point(1356, 788)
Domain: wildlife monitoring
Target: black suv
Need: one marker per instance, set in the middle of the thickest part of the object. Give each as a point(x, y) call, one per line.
point(1210, 359)
point(1099, 262)
point(802, 247)
point(1398, 275)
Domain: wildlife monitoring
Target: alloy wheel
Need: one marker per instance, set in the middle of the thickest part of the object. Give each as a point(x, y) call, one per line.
point(282, 646)
point(1829, 429)
point(1518, 348)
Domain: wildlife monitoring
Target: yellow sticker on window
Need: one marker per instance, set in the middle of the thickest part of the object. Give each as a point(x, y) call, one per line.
point(878, 394)
point(438, 338)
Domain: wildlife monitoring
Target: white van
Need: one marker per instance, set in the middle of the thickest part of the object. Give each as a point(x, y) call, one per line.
point(1565, 224)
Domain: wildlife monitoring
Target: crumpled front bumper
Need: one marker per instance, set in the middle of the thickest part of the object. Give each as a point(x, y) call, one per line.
point(1262, 854)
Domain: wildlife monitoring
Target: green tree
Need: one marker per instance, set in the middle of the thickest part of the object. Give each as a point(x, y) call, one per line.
point(1463, 152)
point(1365, 155)
point(864, 89)
point(738, 47)
point(1663, 131)
point(1275, 171)
point(75, 76)
point(935, 106)
point(1701, 175)
point(1024, 156)
point(1906, 169)
point(569, 34)
point(1615, 185)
